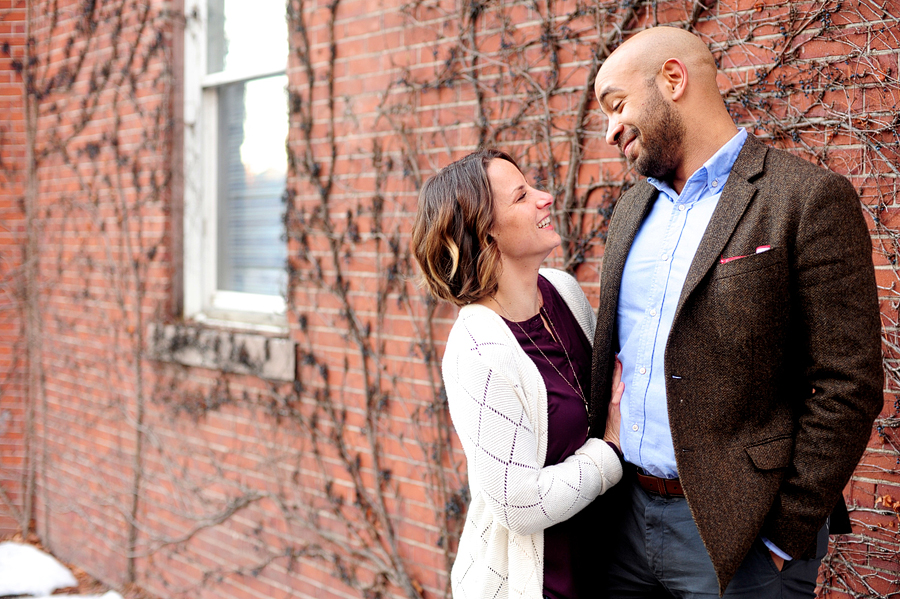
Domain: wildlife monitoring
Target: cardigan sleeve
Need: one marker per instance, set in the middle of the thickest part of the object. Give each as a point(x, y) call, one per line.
point(501, 445)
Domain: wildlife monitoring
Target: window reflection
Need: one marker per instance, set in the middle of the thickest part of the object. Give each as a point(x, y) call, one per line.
point(253, 127)
point(241, 36)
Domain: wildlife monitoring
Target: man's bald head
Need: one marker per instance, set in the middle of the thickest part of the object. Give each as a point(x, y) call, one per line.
point(646, 53)
point(659, 93)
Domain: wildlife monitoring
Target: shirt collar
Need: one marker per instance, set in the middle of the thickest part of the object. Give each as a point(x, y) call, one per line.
point(711, 176)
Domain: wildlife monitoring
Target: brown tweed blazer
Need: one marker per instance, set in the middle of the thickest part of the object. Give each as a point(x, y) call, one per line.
point(773, 364)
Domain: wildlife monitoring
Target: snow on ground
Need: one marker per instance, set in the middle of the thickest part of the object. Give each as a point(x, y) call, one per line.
point(107, 595)
point(28, 571)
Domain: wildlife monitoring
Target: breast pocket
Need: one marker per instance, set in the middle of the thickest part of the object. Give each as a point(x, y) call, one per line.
point(731, 266)
point(753, 308)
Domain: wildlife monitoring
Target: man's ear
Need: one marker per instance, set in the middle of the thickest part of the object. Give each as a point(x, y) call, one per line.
point(675, 77)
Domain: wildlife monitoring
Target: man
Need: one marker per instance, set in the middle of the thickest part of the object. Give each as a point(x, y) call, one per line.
point(738, 292)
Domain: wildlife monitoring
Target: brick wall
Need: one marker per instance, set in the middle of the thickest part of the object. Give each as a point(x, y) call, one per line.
point(347, 482)
point(100, 225)
point(12, 365)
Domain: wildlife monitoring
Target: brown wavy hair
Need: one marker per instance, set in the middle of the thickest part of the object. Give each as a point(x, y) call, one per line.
point(451, 237)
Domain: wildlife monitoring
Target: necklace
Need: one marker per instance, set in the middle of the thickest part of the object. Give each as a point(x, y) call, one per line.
point(544, 314)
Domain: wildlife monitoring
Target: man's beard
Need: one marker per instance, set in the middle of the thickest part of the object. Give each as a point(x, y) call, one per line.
point(661, 136)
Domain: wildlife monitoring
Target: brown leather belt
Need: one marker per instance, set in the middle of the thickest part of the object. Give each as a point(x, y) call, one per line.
point(665, 487)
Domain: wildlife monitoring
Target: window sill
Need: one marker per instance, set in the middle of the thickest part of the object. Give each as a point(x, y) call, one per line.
point(258, 350)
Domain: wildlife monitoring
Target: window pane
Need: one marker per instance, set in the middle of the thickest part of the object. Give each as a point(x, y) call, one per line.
point(253, 126)
point(246, 36)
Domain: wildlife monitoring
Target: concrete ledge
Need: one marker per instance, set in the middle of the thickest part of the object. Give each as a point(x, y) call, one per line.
point(267, 357)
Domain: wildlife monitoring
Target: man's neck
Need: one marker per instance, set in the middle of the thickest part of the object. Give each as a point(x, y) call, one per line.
point(699, 152)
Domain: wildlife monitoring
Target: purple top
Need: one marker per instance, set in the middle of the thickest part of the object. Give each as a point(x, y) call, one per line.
point(567, 423)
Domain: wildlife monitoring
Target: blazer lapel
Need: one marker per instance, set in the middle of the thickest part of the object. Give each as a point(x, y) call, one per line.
point(735, 197)
point(628, 218)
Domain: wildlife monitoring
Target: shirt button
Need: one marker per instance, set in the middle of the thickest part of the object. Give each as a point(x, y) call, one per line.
point(634, 427)
point(681, 207)
point(665, 257)
point(715, 183)
point(652, 312)
point(643, 370)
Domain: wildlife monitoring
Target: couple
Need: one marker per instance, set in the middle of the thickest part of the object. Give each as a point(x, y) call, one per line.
point(738, 328)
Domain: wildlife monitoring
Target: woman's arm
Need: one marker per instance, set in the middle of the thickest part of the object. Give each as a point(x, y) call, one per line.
point(501, 444)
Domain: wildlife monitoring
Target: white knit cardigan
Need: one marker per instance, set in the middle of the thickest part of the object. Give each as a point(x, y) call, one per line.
point(498, 403)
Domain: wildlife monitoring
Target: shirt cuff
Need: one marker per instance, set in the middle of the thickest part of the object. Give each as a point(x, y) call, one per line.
point(774, 549)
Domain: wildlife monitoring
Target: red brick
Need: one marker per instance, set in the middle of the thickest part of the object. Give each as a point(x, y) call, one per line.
point(203, 452)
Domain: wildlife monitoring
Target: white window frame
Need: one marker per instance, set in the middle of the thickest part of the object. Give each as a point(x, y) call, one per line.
point(203, 301)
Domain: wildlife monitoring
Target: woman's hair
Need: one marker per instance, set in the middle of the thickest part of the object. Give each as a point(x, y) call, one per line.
point(451, 237)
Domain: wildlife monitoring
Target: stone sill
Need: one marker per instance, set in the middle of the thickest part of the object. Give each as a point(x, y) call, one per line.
point(237, 351)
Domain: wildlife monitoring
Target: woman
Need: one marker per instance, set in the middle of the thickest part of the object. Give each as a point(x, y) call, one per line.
point(517, 373)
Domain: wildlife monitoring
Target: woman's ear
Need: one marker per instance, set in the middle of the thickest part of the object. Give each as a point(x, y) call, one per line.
point(675, 77)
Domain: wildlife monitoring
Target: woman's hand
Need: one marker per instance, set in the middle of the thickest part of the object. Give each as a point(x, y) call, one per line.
point(613, 415)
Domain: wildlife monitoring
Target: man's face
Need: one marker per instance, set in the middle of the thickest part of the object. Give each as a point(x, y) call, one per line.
point(643, 125)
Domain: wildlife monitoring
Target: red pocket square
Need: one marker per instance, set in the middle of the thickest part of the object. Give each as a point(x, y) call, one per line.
point(724, 260)
point(759, 250)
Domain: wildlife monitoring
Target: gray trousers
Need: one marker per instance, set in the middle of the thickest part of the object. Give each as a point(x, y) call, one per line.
point(656, 553)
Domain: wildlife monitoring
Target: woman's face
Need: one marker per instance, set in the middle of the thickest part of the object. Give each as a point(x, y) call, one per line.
point(522, 228)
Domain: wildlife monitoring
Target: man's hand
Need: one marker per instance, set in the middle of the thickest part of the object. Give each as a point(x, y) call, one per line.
point(779, 561)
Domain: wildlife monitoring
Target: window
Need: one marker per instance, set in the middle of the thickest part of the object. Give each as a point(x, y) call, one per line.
point(235, 130)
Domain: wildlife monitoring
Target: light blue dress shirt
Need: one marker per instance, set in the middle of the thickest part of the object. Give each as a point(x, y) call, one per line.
point(652, 280)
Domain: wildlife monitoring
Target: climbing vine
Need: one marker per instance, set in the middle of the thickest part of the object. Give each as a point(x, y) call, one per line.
point(351, 472)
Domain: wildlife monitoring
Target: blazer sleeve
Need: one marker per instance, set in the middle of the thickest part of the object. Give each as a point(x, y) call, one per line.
point(836, 298)
point(501, 444)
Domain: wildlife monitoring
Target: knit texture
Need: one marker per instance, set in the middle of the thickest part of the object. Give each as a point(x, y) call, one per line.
point(498, 403)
